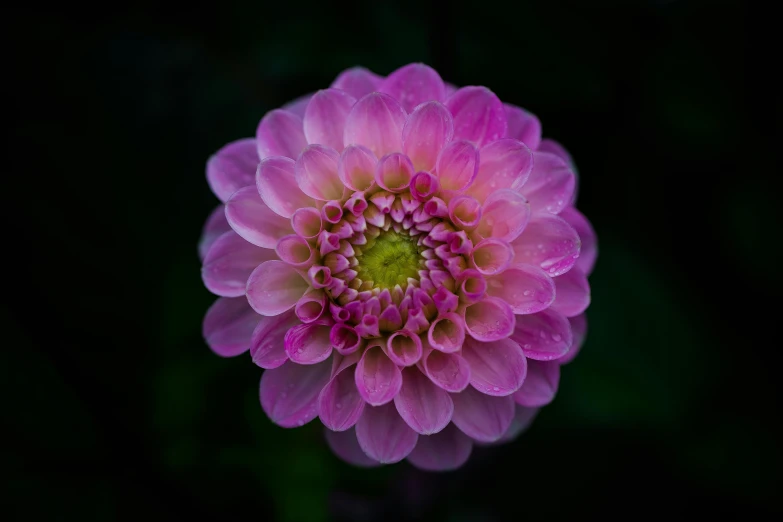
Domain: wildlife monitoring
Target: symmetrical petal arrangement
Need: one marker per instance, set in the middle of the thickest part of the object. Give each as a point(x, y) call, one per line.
point(405, 261)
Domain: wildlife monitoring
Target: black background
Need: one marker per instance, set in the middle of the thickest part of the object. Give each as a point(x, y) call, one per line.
point(115, 409)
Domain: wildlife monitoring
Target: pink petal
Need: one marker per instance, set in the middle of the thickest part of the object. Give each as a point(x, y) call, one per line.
point(465, 212)
point(457, 165)
point(505, 163)
point(340, 404)
point(383, 435)
point(276, 183)
point(473, 286)
point(357, 82)
point(274, 287)
point(228, 326)
point(376, 121)
point(478, 115)
point(394, 172)
point(252, 219)
point(504, 215)
point(425, 407)
point(589, 249)
point(413, 84)
point(573, 293)
point(345, 446)
point(299, 105)
point(268, 342)
point(377, 378)
point(444, 451)
point(316, 173)
point(449, 371)
point(490, 319)
point(295, 251)
point(215, 226)
point(309, 343)
point(427, 130)
point(232, 168)
point(324, 119)
point(289, 394)
point(404, 348)
point(523, 418)
point(579, 332)
point(447, 333)
point(553, 147)
point(311, 305)
point(230, 262)
point(307, 223)
point(482, 417)
point(523, 126)
point(491, 256)
point(496, 368)
point(527, 289)
point(550, 186)
point(543, 336)
point(345, 339)
point(549, 242)
point(280, 133)
point(540, 386)
point(423, 186)
point(357, 167)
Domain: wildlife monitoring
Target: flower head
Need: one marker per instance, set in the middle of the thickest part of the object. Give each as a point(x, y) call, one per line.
point(404, 259)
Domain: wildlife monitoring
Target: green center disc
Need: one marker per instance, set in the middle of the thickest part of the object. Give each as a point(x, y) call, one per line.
point(390, 260)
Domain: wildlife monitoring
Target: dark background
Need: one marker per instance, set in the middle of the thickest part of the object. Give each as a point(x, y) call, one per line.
point(115, 409)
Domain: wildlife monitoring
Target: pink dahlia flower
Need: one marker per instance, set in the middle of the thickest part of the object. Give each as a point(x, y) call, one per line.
point(405, 261)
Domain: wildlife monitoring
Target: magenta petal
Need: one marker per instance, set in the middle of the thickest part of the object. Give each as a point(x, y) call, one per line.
point(549, 242)
point(526, 288)
point(299, 105)
point(496, 368)
point(553, 147)
point(491, 256)
point(289, 394)
point(573, 293)
point(540, 386)
point(404, 348)
point(523, 418)
point(579, 332)
point(450, 371)
point(215, 226)
point(589, 249)
point(356, 168)
point(482, 417)
point(230, 262)
point(543, 336)
point(523, 126)
point(550, 186)
point(444, 451)
point(505, 163)
point(276, 183)
point(309, 343)
point(280, 133)
point(427, 130)
point(383, 435)
point(232, 168)
point(311, 305)
point(413, 84)
point(252, 219)
point(340, 404)
point(324, 119)
point(316, 173)
point(457, 165)
point(357, 82)
point(307, 223)
point(376, 121)
point(394, 172)
point(274, 287)
point(377, 378)
point(228, 326)
point(345, 446)
point(490, 319)
point(447, 333)
point(504, 215)
point(478, 115)
point(268, 342)
point(425, 407)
